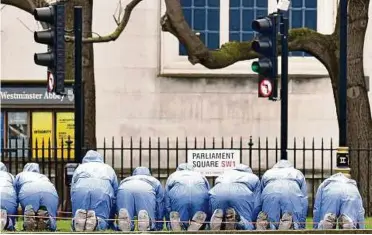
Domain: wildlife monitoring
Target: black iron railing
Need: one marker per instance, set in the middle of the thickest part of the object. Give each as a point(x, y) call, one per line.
point(316, 159)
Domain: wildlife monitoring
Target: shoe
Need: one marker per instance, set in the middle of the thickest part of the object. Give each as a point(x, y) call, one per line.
point(175, 221)
point(344, 222)
point(43, 221)
point(3, 219)
point(29, 222)
point(230, 219)
point(262, 221)
point(216, 220)
point(124, 220)
point(91, 222)
point(143, 221)
point(197, 221)
point(285, 222)
point(80, 220)
point(328, 222)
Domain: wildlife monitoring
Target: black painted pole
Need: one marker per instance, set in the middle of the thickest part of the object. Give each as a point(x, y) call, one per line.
point(343, 150)
point(343, 73)
point(78, 88)
point(284, 88)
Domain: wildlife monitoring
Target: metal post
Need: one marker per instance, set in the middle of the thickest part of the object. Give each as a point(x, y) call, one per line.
point(284, 87)
point(276, 22)
point(78, 88)
point(343, 150)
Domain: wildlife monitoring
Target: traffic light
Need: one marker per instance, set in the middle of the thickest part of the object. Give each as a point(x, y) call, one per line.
point(54, 37)
point(266, 46)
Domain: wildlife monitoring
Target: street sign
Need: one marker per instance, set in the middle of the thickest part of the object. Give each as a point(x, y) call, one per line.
point(265, 88)
point(50, 81)
point(213, 162)
point(283, 5)
point(342, 157)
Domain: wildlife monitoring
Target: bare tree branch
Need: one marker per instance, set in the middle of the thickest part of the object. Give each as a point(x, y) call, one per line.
point(300, 39)
point(25, 25)
point(116, 20)
point(120, 8)
point(114, 35)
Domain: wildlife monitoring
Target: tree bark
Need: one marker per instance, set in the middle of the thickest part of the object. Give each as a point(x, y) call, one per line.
point(88, 80)
point(88, 68)
point(359, 122)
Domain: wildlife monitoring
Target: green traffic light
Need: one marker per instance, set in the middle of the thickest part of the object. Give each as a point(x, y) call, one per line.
point(255, 67)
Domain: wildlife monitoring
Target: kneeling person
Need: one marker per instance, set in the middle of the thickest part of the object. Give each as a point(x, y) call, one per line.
point(93, 189)
point(8, 199)
point(338, 198)
point(235, 198)
point(140, 194)
point(186, 198)
point(284, 198)
point(38, 197)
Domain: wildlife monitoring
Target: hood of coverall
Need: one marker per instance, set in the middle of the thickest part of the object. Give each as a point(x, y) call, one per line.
point(142, 170)
point(32, 167)
point(283, 164)
point(92, 156)
point(243, 168)
point(3, 167)
point(185, 166)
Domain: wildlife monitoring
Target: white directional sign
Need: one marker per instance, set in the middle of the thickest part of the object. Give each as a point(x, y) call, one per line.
point(50, 81)
point(266, 88)
point(283, 5)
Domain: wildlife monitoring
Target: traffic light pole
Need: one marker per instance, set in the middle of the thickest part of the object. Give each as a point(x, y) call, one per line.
point(284, 87)
point(78, 87)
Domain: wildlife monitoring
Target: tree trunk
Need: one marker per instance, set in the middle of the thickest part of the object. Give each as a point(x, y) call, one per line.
point(359, 122)
point(88, 68)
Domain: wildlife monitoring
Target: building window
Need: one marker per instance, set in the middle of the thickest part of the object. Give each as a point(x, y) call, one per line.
point(203, 17)
point(18, 133)
point(303, 13)
point(242, 13)
point(221, 21)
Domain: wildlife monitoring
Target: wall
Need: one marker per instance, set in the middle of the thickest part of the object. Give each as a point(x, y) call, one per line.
point(132, 100)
